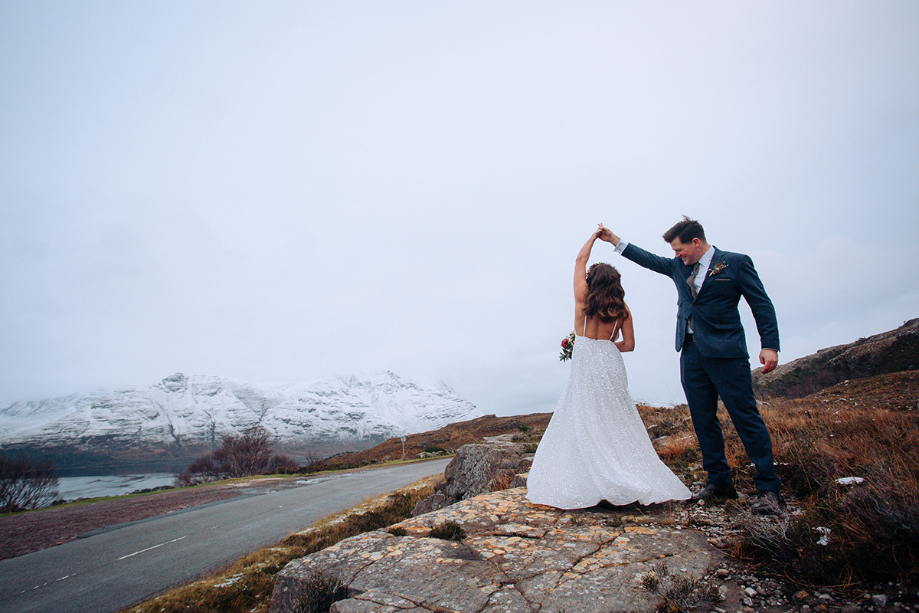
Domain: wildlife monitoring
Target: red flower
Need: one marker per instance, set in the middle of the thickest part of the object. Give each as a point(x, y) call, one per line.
point(564, 343)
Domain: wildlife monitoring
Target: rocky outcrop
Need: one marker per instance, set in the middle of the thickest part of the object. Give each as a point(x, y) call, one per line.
point(515, 556)
point(889, 352)
point(477, 469)
point(506, 554)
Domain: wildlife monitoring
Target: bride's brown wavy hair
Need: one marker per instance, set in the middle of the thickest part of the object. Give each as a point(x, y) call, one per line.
point(605, 296)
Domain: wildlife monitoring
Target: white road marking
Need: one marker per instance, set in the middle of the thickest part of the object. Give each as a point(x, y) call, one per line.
point(154, 547)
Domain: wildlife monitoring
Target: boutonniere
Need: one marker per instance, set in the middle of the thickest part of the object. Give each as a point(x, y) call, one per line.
point(716, 269)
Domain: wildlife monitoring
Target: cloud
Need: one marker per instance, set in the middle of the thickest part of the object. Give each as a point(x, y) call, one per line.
point(289, 191)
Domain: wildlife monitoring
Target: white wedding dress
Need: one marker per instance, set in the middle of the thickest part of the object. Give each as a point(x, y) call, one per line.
point(596, 446)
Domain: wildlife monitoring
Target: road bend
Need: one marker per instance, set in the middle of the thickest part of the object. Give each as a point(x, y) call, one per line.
point(110, 569)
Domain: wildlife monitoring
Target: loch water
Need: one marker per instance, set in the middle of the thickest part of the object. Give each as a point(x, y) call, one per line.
point(72, 488)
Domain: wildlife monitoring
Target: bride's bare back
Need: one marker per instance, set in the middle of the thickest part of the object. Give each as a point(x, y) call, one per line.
point(595, 328)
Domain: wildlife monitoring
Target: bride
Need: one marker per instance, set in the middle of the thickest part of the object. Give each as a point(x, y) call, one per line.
point(596, 447)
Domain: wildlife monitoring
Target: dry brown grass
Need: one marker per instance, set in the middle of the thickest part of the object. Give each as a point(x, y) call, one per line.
point(502, 480)
point(847, 431)
point(671, 430)
point(873, 525)
point(679, 450)
point(245, 587)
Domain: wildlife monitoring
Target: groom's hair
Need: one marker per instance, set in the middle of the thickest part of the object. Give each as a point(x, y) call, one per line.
point(685, 230)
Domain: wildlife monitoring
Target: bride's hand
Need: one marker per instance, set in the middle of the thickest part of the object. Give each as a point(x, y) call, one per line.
point(605, 234)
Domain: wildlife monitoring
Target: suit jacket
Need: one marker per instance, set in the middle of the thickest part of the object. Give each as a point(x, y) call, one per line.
point(717, 330)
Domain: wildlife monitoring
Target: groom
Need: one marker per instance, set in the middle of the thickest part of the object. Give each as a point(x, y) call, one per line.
point(713, 359)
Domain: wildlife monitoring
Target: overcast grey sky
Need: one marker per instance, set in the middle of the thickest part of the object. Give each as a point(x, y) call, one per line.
point(280, 191)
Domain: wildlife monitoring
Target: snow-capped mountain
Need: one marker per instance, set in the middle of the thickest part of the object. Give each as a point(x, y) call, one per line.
point(194, 412)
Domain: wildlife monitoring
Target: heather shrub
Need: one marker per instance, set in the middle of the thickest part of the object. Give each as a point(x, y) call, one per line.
point(319, 591)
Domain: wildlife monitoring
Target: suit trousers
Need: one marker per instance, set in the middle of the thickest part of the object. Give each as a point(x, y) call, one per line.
point(704, 379)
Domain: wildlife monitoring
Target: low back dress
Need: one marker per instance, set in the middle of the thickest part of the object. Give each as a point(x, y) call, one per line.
point(596, 446)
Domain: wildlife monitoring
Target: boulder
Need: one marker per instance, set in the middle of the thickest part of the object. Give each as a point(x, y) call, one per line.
point(478, 469)
point(515, 556)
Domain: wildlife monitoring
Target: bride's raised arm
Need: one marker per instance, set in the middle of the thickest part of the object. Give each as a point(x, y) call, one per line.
point(580, 272)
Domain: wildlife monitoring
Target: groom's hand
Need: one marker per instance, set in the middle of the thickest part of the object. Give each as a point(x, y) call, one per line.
point(605, 234)
point(769, 359)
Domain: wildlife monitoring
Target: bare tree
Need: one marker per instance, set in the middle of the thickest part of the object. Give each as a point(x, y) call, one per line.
point(312, 462)
point(26, 485)
point(238, 456)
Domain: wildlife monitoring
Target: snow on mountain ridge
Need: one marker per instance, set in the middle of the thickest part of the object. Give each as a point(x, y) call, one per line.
point(201, 409)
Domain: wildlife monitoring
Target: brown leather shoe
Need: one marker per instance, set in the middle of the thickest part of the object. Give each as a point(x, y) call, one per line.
point(714, 492)
point(768, 503)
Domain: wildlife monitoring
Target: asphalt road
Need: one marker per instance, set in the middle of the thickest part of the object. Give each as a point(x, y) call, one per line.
point(108, 570)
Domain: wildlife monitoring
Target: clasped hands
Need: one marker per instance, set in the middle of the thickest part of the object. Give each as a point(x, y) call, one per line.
point(605, 234)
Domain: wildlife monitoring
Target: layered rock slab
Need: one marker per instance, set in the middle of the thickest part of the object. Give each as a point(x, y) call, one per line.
point(516, 557)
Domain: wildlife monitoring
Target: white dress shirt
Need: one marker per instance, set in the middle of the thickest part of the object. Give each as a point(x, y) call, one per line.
point(704, 262)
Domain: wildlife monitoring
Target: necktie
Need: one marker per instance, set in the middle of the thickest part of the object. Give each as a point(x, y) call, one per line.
point(692, 280)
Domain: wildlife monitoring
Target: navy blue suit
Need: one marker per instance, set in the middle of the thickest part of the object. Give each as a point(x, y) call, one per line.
point(714, 361)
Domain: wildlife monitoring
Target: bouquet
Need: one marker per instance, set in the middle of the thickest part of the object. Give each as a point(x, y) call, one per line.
point(567, 346)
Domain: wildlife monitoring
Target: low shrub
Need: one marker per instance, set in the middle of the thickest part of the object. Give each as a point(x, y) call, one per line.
point(689, 594)
point(26, 484)
point(681, 593)
point(449, 531)
point(527, 434)
point(502, 480)
point(319, 591)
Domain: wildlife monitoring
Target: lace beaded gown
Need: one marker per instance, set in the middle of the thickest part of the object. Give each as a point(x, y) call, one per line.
point(596, 446)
